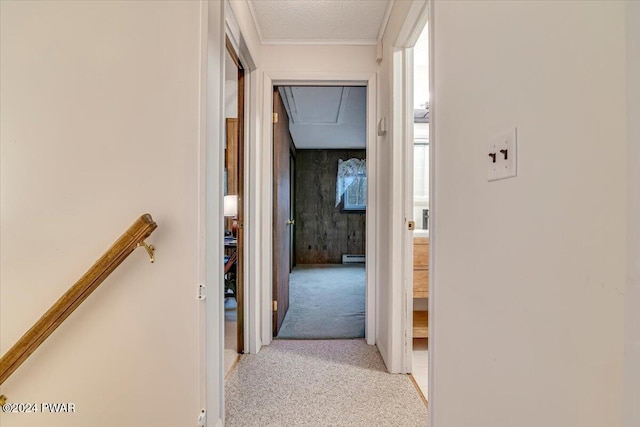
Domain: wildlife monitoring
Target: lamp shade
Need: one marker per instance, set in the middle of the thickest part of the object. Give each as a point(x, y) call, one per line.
point(231, 205)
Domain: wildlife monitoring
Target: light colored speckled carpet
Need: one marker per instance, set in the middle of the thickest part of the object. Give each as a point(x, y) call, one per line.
point(320, 383)
point(325, 302)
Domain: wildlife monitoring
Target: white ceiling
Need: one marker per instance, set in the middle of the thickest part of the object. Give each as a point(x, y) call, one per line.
point(320, 22)
point(326, 117)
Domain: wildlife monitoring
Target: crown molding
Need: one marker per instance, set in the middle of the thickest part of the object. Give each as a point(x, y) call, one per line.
point(356, 42)
point(255, 20)
point(385, 20)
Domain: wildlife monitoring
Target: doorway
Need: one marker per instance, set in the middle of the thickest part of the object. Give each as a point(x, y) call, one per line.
point(420, 211)
point(233, 209)
point(319, 216)
point(416, 205)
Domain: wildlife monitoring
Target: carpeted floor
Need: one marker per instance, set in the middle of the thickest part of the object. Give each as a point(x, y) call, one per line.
point(230, 333)
point(325, 302)
point(320, 383)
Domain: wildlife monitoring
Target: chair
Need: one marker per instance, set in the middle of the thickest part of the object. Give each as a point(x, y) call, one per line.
point(230, 275)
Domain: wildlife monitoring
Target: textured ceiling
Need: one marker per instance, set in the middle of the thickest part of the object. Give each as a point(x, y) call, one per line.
point(315, 22)
point(326, 117)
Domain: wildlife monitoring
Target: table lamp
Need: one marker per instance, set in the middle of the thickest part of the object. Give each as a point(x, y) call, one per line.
point(231, 210)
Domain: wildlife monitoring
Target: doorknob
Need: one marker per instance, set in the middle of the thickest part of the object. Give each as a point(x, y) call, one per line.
point(291, 221)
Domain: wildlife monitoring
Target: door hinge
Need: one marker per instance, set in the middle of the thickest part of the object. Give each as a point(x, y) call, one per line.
point(275, 117)
point(202, 418)
point(202, 292)
point(275, 305)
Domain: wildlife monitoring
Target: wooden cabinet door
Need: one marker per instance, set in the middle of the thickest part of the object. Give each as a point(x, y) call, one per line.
point(421, 267)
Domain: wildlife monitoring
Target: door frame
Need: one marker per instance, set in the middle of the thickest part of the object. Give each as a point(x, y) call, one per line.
point(252, 247)
point(432, 207)
point(217, 22)
point(403, 117)
point(421, 14)
point(263, 177)
point(210, 213)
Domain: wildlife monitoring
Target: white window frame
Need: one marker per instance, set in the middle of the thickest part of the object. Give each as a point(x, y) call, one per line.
point(421, 141)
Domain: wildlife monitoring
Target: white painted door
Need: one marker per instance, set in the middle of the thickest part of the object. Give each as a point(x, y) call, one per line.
point(409, 220)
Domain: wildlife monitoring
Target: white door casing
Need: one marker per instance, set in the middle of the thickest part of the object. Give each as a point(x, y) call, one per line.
point(403, 181)
point(263, 179)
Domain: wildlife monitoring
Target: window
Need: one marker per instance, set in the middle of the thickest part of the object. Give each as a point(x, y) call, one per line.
point(421, 131)
point(355, 197)
point(421, 170)
point(351, 185)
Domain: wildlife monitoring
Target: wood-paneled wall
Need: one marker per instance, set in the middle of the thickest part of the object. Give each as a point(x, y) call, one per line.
point(323, 233)
point(231, 163)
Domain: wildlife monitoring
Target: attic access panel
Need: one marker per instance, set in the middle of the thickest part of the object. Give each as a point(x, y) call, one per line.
point(314, 105)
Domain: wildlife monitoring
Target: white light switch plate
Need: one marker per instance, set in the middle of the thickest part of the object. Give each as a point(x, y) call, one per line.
point(503, 145)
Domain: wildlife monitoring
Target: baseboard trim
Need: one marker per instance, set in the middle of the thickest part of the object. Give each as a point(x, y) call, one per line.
point(415, 384)
point(233, 367)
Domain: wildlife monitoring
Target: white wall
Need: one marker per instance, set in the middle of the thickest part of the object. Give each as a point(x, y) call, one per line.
point(231, 98)
point(318, 59)
point(530, 272)
point(632, 330)
point(99, 124)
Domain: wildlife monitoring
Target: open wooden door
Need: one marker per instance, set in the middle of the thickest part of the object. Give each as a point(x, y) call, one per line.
point(234, 164)
point(282, 213)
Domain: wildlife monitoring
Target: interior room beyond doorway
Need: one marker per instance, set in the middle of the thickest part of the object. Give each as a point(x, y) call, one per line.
point(321, 138)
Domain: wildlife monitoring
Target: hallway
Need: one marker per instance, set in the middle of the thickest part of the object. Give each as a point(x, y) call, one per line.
point(320, 383)
point(530, 299)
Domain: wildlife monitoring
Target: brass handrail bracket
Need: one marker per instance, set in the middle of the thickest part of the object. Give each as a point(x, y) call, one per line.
point(151, 250)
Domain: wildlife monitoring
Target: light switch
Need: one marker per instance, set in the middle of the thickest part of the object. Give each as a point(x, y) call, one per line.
point(502, 155)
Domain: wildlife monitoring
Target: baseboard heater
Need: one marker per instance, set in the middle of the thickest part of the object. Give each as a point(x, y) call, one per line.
point(352, 259)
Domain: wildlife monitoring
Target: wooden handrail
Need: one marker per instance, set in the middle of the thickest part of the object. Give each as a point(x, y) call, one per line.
point(40, 331)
